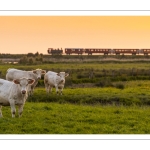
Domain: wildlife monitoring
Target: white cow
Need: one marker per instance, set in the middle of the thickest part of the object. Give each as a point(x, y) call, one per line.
point(16, 74)
point(14, 93)
point(53, 79)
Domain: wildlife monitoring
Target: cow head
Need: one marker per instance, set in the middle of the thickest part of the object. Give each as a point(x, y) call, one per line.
point(39, 72)
point(62, 76)
point(23, 82)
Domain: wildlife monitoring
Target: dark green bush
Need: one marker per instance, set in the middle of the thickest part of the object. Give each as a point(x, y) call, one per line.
point(119, 85)
point(104, 83)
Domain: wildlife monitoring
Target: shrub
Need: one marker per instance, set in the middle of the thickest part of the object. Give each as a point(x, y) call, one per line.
point(119, 85)
point(104, 83)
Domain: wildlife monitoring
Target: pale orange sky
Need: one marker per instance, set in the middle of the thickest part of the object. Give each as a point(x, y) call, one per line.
point(24, 34)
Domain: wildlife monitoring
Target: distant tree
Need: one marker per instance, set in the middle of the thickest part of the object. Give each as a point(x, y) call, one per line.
point(41, 54)
point(31, 60)
point(39, 58)
point(30, 55)
point(37, 54)
point(23, 60)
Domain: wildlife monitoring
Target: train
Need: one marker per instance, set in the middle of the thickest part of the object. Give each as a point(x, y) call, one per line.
point(53, 51)
point(100, 51)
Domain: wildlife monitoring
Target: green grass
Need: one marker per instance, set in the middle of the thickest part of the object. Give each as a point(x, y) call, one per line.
point(79, 65)
point(54, 118)
point(132, 93)
point(79, 72)
point(84, 111)
point(120, 108)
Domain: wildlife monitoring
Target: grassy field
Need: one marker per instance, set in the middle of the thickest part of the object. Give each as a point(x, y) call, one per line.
point(84, 111)
point(133, 93)
point(79, 65)
point(88, 106)
point(54, 118)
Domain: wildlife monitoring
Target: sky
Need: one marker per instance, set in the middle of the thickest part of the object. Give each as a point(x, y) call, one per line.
point(31, 34)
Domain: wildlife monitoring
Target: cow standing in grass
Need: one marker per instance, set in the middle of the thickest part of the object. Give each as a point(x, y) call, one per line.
point(16, 74)
point(14, 93)
point(53, 79)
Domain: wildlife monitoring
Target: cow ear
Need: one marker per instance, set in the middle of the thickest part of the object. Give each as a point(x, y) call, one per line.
point(66, 74)
point(31, 81)
point(34, 71)
point(16, 81)
point(58, 74)
point(43, 71)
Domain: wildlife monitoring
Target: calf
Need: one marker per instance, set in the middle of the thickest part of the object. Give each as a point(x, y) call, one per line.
point(16, 74)
point(14, 93)
point(53, 79)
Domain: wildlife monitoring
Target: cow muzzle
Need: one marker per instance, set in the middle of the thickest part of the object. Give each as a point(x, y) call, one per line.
point(23, 92)
point(62, 81)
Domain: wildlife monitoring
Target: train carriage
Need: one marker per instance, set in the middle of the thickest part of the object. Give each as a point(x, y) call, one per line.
point(70, 51)
point(146, 51)
point(126, 51)
point(91, 51)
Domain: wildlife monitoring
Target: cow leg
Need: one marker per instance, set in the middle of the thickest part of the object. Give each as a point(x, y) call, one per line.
point(57, 91)
point(1, 112)
point(13, 109)
point(61, 90)
point(20, 110)
point(47, 88)
point(50, 89)
point(31, 91)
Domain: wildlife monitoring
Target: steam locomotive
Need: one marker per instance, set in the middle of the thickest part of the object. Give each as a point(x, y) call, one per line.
point(105, 51)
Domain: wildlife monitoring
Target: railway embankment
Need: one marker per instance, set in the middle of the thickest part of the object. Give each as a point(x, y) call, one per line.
point(76, 58)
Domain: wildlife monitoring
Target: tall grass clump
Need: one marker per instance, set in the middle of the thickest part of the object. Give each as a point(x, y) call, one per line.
point(119, 85)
